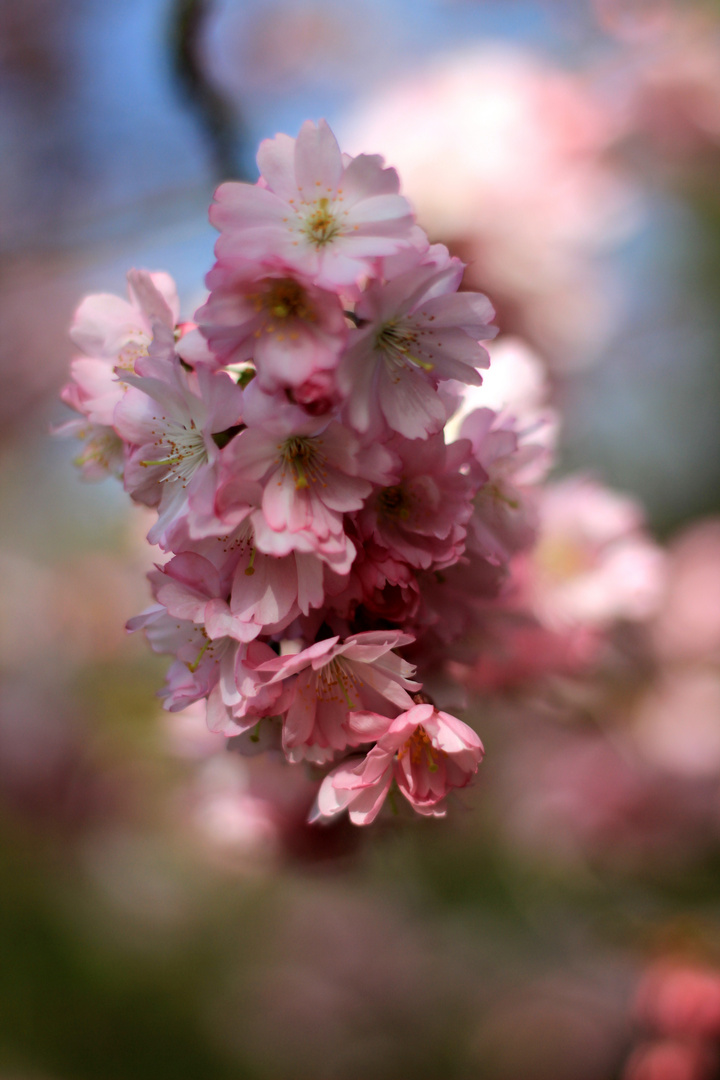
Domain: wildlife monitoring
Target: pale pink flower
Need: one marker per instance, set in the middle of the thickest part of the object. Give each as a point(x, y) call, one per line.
point(222, 670)
point(421, 517)
point(506, 159)
point(311, 474)
point(190, 588)
point(426, 752)
point(290, 329)
point(114, 334)
point(593, 562)
point(416, 330)
point(688, 624)
point(383, 583)
point(269, 591)
point(227, 602)
point(675, 725)
point(326, 216)
point(516, 387)
point(193, 590)
point(331, 679)
point(103, 451)
point(505, 519)
point(169, 417)
point(196, 667)
point(240, 698)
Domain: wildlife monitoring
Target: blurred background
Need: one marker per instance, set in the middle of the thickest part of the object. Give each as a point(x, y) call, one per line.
point(164, 911)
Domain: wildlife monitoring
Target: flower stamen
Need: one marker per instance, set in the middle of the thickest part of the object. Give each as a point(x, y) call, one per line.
point(301, 454)
point(396, 341)
point(322, 226)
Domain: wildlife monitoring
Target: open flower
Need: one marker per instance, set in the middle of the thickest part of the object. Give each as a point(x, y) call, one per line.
point(113, 333)
point(169, 417)
point(504, 519)
point(419, 330)
point(289, 328)
point(331, 679)
point(222, 670)
point(311, 474)
point(421, 517)
point(321, 214)
point(426, 752)
point(594, 562)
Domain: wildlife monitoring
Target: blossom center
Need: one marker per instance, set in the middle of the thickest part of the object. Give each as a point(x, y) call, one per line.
point(286, 299)
point(420, 746)
point(399, 342)
point(562, 559)
point(322, 226)
point(394, 502)
point(131, 352)
point(304, 459)
point(183, 450)
point(102, 447)
point(336, 681)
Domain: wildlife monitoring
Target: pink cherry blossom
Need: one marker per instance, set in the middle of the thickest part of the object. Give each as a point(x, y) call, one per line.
point(196, 667)
point(517, 388)
point(330, 679)
point(426, 752)
point(418, 330)
point(169, 417)
point(504, 520)
point(115, 333)
point(269, 591)
point(320, 213)
point(222, 670)
point(507, 158)
point(421, 517)
point(593, 562)
point(382, 583)
point(311, 474)
point(103, 451)
point(290, 329)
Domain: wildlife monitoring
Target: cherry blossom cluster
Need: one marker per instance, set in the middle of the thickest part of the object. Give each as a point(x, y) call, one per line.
point(329, 529)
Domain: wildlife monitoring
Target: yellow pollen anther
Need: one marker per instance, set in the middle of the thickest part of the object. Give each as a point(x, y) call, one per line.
point(420, 745)
point(321, 226)
point(304, 458)
point(398, 343)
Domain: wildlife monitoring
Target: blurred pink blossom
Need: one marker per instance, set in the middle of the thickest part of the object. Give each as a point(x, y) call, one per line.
point(504, 159)
point(676, 725)
point(680, 999)
point(593, 562)
point(671, 1060)
point(671, 96)
point(688, 623)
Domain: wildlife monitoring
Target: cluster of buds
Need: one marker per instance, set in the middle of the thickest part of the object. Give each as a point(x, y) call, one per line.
point(316, 514)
